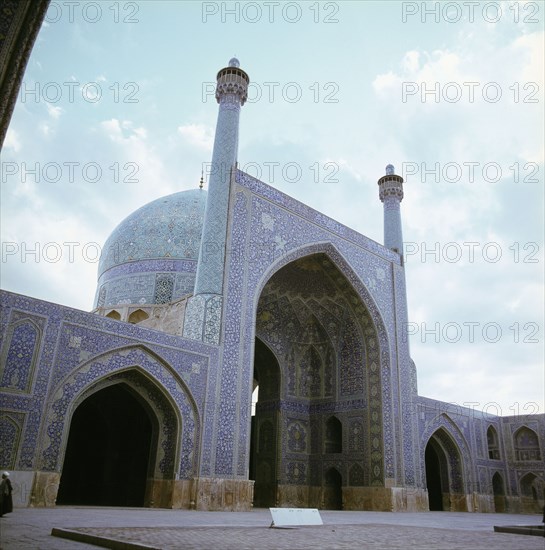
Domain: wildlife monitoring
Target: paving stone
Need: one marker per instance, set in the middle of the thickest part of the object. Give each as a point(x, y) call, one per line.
point(30, 528)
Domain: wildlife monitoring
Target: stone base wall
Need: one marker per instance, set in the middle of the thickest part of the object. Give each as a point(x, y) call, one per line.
point(457, 502)
point(23, 484)
point(215, 494)
point(45, 489)
point(384, 499)
point(483, 503)
point(183, 494)
point(39, 489)
point(298, 496)
point(169, 493)
point(158, 493)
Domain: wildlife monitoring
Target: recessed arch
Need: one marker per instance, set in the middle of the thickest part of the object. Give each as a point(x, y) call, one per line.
point(19, 355)
point(334, 255)
point(444, 472)
point(162, 411)
point(532, 493)
point(493, 443)
point(526, 444)
point(454, 440)
point(111, 451)
point(153, 375)
point(498, 488)
point(114, 314)
point(329, 346)
point(10, 431)
point(333, 495)
point(333, 436)
point(137, 316)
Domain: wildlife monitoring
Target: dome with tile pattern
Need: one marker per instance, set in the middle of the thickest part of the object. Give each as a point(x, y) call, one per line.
point(155, 247)
point(169, 227)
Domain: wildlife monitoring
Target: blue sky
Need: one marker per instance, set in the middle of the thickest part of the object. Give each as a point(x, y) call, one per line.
point(115, 111)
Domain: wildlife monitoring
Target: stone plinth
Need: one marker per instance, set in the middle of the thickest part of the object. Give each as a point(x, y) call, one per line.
point(45, 489)
point(231, 495)
point(380, 499)
point(22, 483)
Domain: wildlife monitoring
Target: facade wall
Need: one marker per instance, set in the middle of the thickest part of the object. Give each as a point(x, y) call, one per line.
point(272, 230)
point(487, 447)
point(52, 357)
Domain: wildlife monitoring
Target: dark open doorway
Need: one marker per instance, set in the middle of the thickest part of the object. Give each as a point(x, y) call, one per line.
point(107, 456)
point(333, 490)
point(263, 446)
point(433, 478)
point(499, 492)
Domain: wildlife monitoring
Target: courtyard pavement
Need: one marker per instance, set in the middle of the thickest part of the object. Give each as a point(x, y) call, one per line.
point(30, 529)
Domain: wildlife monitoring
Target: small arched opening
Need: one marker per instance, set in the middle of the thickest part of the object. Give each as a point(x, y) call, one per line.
point(138, 316)
point(114, 315)
point(493, 443)
point(498, 487)
point(333, 491)
point(333, 436)
point(531, 493)
point(526, 445)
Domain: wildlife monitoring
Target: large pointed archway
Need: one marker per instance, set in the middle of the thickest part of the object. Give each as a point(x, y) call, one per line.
point(328, 406)
point(444, 473)
point(156, 390)
point(107, 459)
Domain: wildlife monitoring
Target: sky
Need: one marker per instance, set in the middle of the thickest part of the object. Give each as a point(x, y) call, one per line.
point(116, 109)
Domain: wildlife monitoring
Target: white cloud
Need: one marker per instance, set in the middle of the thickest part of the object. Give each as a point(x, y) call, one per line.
point(386, 82)
point(45, 129)
point(411, 61)
point(198, 135)
point(54, 111)
point(12, 140)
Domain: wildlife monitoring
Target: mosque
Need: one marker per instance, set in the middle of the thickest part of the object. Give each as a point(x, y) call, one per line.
point(204, 296)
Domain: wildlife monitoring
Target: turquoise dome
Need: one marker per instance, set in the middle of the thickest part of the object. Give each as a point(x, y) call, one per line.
point(166, 228)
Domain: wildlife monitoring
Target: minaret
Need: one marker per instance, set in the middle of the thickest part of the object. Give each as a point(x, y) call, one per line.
point(231, 94)
point(391, 194)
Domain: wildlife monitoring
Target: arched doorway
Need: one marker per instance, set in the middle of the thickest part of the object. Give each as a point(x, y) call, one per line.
point(532, 491)
point(434, 482)
point(498, 488)
point(333, 490)
point(326, 342)
point(108, 452)
point(333, 436)
point(444, 473)
point(263, 445)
